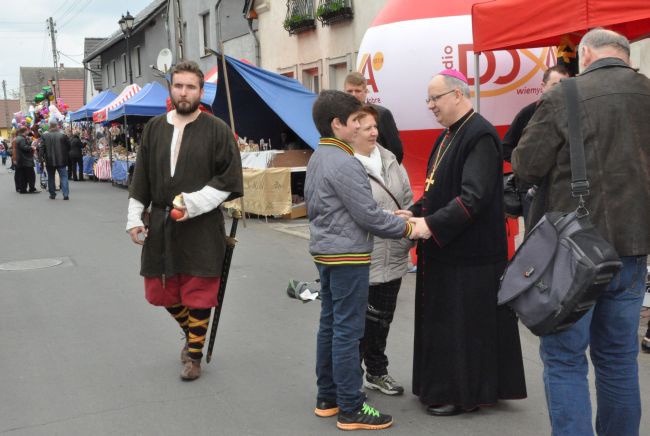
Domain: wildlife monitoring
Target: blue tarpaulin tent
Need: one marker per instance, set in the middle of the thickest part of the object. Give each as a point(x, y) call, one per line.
point(265, 104)
point(85, 112)
point(149, 102)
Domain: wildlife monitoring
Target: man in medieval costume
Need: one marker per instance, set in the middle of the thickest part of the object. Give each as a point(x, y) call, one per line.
point(193, 154)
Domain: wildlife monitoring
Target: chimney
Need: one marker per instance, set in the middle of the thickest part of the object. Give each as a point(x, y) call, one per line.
point(61, 66)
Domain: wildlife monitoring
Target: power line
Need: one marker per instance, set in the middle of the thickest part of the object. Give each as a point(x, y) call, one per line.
point(60, 7)
point(74, 15)
point(73, 60)
point(67, 11)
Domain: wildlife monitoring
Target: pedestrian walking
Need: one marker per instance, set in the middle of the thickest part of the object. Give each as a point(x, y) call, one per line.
point(25, 175)
point(55, 149)
point(76, 168)
point(3, 152)
point(193, 154)
point(615, 103)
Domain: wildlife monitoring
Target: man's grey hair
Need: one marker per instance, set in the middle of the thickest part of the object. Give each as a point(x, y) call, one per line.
point(54, 124)
point(454, 83)
point(599, 38)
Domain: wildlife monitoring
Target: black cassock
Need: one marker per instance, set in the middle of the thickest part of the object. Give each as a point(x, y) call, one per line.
point(467, 350)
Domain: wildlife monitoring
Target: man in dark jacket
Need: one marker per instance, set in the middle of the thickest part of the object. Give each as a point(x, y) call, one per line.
point(552, 77)
point(76, 158)
point(615, 103)
point(25, 175)
point(55, 149)
point(357, 86)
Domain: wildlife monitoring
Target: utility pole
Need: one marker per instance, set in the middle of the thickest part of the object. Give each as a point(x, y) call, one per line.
point(178, 27)
point(55, 56)
point(7, 122)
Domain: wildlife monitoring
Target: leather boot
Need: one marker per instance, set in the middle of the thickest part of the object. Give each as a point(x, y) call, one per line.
point(191, 370)
point(184, 356)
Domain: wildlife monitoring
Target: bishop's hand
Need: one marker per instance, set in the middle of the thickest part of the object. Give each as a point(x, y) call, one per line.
point(420, 229)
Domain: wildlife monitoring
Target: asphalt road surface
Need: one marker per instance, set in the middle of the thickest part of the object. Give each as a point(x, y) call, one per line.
point(82, 352)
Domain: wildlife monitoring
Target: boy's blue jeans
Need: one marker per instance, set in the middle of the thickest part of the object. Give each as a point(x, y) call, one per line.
point(610, 330)
point(344, 299)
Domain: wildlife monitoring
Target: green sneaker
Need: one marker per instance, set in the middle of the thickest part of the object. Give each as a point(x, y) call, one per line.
point(367, 418)
point(383, 383)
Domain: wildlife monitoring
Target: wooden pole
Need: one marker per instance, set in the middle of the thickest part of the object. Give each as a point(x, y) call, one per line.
point(224, 71)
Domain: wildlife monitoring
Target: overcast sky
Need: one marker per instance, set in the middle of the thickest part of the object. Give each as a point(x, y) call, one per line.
point(25, 41)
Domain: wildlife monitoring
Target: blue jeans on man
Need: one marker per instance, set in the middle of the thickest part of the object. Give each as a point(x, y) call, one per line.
point(63, 175)
point(344, 299)
point(610, 330)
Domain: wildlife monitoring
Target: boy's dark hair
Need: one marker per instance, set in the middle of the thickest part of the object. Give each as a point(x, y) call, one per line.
point(188, 67)
point(21, 130)
point(332, 104)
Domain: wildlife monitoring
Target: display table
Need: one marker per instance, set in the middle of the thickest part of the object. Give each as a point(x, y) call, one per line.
point(267, 192)
point(88, 164)
point(120, 171)
point(102, 169)
point(268, 177)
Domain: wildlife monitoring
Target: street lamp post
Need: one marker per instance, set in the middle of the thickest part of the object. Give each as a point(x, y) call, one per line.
point(126, 25)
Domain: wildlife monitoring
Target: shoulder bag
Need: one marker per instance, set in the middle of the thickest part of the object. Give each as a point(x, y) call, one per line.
point(564, 264)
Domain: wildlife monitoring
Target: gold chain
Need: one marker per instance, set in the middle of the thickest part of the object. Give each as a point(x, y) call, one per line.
point(441, 153)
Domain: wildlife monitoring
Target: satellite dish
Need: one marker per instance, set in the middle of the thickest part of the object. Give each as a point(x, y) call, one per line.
point(164, 60)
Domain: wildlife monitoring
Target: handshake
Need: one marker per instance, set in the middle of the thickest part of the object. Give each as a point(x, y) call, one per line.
point(420, 228)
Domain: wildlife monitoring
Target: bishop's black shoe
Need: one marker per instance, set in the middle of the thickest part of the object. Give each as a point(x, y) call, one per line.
point(447, 410)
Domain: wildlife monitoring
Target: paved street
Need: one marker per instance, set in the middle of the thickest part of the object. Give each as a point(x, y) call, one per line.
point(84, 354)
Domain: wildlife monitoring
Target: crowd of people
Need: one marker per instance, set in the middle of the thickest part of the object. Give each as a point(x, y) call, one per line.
point(467, 352)
point(363, 221)
point(54, 151)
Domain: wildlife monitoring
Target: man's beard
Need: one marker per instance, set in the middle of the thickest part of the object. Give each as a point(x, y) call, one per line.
point(186, 107)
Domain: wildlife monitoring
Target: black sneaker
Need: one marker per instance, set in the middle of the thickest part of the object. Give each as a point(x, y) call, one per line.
point(367, 418)
point(326, 408)
point(383, 383)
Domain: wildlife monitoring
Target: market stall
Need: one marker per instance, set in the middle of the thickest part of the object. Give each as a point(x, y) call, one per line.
point(264, 106)
point(85, 112)
point(531, 25)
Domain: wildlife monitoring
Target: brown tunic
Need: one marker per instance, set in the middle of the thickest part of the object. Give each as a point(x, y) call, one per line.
point(208, 157)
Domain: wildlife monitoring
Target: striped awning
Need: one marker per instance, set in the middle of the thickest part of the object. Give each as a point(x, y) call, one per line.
point(212, 76)
point(128, 92)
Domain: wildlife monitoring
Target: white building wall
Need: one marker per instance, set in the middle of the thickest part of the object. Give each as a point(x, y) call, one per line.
point(640, 56)
point(328, 51)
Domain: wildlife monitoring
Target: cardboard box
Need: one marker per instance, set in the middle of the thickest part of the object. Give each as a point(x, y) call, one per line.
point(291, 158)
point(297, 211)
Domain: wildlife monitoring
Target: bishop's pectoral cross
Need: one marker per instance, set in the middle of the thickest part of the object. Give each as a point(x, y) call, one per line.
point(429, 181)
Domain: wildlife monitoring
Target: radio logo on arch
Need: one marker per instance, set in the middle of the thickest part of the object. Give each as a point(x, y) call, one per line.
point(515, 68)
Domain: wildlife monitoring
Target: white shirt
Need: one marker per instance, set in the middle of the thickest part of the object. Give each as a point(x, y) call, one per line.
point(197, 203)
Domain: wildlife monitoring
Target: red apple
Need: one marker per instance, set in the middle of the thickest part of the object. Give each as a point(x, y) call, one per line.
point(176, 214)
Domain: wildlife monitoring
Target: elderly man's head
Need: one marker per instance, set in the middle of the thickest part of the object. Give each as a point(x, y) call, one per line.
point(602, 43)
point(449, 97)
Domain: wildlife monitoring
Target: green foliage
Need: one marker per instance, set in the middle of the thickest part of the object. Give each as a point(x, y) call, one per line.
point(330, 7)
point(296, 21)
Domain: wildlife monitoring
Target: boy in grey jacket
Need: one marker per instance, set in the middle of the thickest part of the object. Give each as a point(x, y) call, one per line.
point(343, 217)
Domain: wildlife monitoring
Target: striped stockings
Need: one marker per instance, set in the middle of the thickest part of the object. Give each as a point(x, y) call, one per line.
point(194, 323)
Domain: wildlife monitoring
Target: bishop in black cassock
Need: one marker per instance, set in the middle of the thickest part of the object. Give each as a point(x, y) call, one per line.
point(467, 351)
